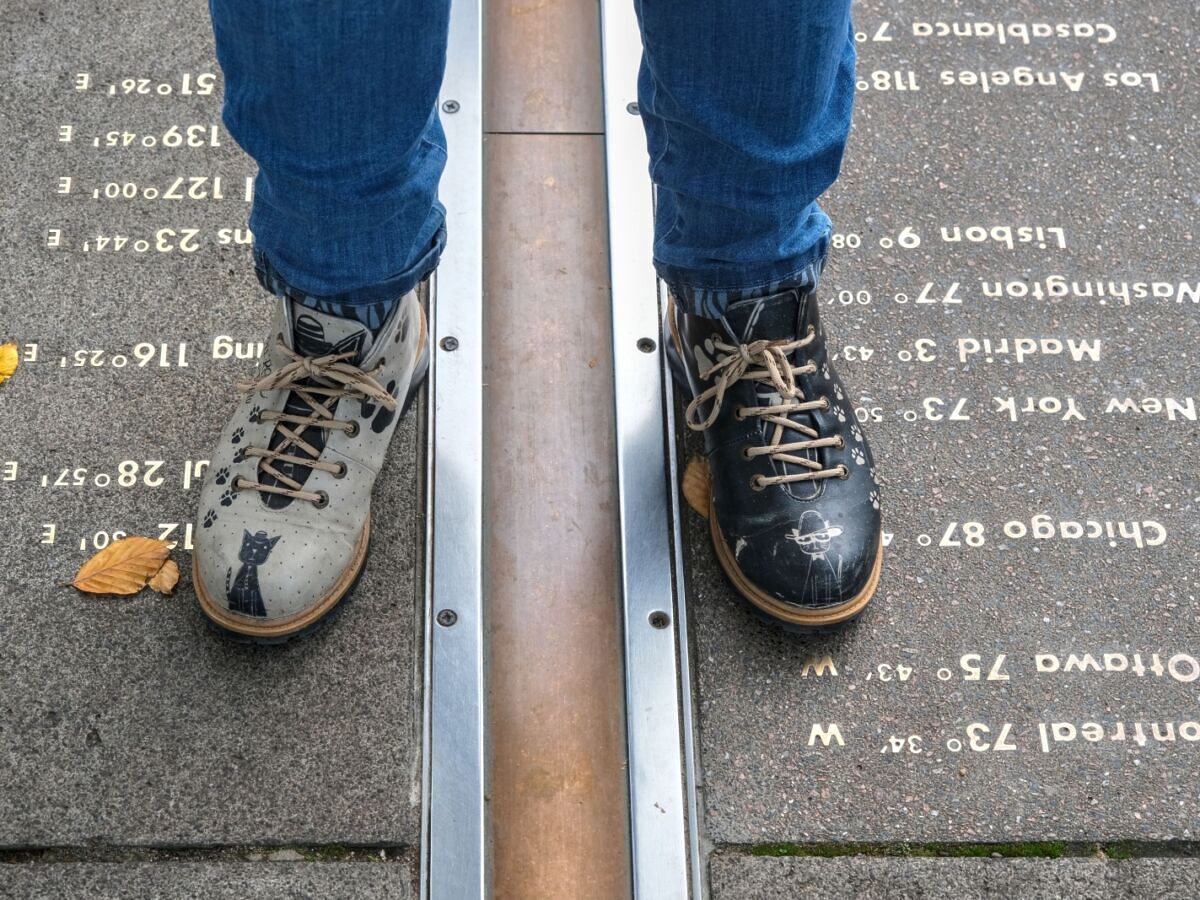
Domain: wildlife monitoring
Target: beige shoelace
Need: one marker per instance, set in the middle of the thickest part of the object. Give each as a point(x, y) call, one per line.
point(349, 381)
point(771, 357)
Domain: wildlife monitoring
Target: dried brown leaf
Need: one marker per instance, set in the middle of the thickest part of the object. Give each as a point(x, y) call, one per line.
point(697, 489)
point(166, 579)
point(9, 360)
point(123, 567)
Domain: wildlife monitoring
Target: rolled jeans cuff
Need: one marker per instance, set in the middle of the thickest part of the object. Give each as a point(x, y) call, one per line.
point(398, 285)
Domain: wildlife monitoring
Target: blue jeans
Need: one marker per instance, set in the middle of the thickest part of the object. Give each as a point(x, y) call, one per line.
point(746, 107)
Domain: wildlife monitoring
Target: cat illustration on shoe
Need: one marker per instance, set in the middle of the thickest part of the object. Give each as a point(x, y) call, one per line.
point(244, 595)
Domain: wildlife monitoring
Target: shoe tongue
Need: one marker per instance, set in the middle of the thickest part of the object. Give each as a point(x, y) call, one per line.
point(322, 333)
point(773, 318)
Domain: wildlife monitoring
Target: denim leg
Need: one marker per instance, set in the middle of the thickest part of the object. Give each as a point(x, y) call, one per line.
point(337, 103)
point(747, 108)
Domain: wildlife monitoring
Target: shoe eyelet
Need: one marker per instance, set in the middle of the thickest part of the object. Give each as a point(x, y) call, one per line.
point(352, 431)
point(340, 471)
point(756, 483)
point(322, 502)
point(845, 472)
point(739, 413)
point(746, 452)
point(841, 444)
point(827, 405)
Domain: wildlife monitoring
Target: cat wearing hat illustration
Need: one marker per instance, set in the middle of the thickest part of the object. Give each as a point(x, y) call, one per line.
point(815, 538)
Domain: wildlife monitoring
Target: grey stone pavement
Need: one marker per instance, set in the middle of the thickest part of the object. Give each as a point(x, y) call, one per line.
point(126, 723)
point(1028, 669)
point(759, 878)
point(218, 881)
point(1013, 294)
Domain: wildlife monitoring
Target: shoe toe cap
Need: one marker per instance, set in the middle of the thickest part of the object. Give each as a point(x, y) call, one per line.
point(810, 564)
point(261, 577)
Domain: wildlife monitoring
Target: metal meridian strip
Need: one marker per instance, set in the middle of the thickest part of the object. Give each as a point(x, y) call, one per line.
point(661, 793)
point(691, 770)
point(454, 863)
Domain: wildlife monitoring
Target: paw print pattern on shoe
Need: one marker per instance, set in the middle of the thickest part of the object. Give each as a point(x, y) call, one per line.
point(840, 413)
point(366, 408)
point(222, 475)
point(856, 432)
point(384, 417)
point(209, 518)
point(238, 434)
point(704, 354)
point(228, 497)
point(857, 456)
point(239, 455)
point(837, 392)
point(254, 412)
point(874, 495)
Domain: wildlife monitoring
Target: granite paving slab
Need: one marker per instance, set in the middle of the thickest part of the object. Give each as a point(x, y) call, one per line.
point(737, 877)
point(1015, 305)
point(130, 293)
point(215, 880)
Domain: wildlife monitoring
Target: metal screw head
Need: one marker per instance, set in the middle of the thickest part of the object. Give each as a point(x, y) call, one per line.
point(646, 345)
point(659, 619)
point(451, 106)
point(447, 617)
point(449, 344)
point(633, 109)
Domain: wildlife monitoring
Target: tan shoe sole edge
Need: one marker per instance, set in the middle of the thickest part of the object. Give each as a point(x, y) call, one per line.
point(295, 622)
point(785, 611)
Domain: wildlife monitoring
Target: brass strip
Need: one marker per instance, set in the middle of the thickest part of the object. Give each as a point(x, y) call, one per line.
point(558, 803)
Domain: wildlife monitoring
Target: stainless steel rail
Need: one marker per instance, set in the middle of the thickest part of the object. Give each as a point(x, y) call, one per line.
point(665, 844)
point(454, 860)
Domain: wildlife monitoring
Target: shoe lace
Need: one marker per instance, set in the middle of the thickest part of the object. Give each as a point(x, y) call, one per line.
point(768, 361)
point(311, 378)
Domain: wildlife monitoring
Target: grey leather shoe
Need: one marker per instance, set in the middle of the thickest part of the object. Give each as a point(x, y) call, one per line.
point(284, 517)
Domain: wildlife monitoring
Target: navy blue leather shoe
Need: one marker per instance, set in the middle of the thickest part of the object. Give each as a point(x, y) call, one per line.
point(794, 509)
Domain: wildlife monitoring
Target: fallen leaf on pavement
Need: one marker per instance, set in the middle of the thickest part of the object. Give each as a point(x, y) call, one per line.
point(166, 579)
point(123, 567)
point(697, 490)
point(8, 361)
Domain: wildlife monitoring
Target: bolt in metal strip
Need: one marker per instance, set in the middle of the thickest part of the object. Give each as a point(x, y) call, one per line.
point(662, 796)
point(454, 836)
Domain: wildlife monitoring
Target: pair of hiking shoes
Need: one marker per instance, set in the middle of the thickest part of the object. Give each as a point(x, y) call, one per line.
point(284, 517)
